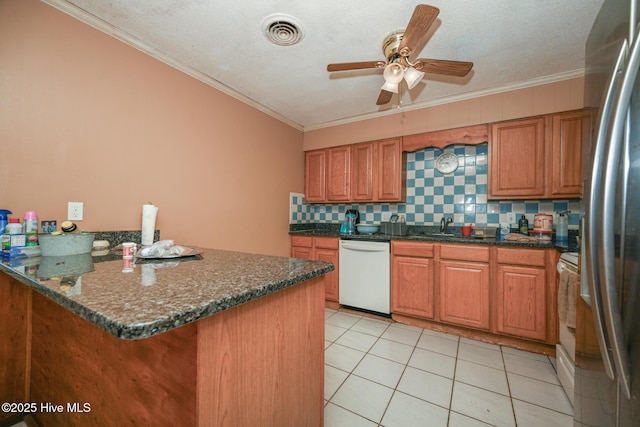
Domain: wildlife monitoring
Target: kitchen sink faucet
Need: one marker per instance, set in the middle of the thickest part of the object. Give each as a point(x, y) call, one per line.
point(444, 225)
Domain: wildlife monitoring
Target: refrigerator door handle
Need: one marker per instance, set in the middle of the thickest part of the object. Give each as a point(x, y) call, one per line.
point(594, 206)
point(610, 297)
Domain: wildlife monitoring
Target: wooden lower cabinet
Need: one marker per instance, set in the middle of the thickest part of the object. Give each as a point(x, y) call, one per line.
point(320, 249)
point(412, 279)
point(503, 295)
point(525, 293)
point(521, 301)
point(464, 293)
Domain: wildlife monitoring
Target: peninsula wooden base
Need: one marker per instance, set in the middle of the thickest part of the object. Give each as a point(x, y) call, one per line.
point(258, 364)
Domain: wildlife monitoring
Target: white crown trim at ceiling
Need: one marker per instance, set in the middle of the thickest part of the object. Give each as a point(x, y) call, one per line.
point(136, 43)
point(555, 78)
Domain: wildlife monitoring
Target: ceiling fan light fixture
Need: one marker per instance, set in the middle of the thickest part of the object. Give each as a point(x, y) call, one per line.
point(393, 73)
point(412, 77)
point(390, 87)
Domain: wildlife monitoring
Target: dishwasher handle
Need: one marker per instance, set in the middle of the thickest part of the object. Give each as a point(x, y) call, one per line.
point(355, 245)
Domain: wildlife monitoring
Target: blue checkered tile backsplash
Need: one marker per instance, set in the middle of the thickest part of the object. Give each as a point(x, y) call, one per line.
point(431, 195)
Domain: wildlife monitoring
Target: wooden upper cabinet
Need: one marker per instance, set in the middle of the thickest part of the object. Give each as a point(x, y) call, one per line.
point(539, 157)
point(339, 174)
point(566, 153)
point(390, 182)
point(365, 172)
point(517, 159)
point(315, 176)
point(363, 166)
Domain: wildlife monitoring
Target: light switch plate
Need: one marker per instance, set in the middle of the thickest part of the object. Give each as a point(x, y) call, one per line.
point(511, 217)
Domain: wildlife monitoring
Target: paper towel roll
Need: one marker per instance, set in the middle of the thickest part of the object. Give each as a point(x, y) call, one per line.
point(149, 213)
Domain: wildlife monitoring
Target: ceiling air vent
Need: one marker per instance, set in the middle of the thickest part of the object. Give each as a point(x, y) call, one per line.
point(283, 30)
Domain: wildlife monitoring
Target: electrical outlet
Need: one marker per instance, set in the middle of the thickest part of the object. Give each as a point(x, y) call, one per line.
point(75, 211)
point(511, 217)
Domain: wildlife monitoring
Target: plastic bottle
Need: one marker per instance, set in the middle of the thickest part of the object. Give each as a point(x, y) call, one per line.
point(3, 219)
point(523, 226)
point(31, 227)
point(562, 228)
point(504, 230)
point(14, 226)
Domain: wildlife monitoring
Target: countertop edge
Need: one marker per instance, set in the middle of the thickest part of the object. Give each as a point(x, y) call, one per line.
point(162, 324)
point(435, 239)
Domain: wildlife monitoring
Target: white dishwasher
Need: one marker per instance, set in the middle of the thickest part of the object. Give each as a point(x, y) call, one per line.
point(365, 276)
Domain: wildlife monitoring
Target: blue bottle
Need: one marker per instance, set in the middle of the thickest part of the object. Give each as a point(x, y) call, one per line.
point(3, 219)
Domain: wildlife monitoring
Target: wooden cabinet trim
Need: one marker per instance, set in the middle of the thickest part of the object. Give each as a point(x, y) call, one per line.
point(468, 135)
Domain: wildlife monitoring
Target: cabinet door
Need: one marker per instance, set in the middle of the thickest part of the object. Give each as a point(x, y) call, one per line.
point(521, 305)
point(412, 286)
point(517, 163)
point(339, 174)
point(327, 250)
point(315, 176)
point(390, 181)
point(331, 279)
point(566, 154)
point(362, 171)
point(464, 293)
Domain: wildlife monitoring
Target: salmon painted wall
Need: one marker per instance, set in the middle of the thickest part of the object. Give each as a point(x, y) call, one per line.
point(87, 118)
point(554, 97)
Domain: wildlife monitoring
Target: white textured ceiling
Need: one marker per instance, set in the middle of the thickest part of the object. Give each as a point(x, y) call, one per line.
point(512, 43)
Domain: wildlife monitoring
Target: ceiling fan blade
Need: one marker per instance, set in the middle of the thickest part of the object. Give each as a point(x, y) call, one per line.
point(420, 22)
point(384, 97)
point(345, 66)
point(441, 66)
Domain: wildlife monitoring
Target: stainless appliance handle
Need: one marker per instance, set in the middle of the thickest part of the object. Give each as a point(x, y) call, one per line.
point(593, 213)
point(610, 297)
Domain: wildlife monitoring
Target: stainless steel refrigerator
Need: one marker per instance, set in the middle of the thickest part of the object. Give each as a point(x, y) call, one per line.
point(607, 381)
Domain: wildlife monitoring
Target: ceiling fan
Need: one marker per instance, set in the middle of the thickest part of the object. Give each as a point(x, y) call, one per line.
point(398, 47)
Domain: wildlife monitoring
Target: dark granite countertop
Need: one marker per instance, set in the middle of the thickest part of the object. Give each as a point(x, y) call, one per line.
point(425, 233)
point(158, 295)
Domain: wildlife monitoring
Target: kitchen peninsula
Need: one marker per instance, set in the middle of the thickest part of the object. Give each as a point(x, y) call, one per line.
point(221, 339)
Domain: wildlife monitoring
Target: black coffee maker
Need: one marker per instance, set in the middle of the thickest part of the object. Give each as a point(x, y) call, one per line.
point(355, 212)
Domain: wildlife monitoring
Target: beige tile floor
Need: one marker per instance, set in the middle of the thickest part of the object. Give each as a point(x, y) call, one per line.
point(379, 373)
